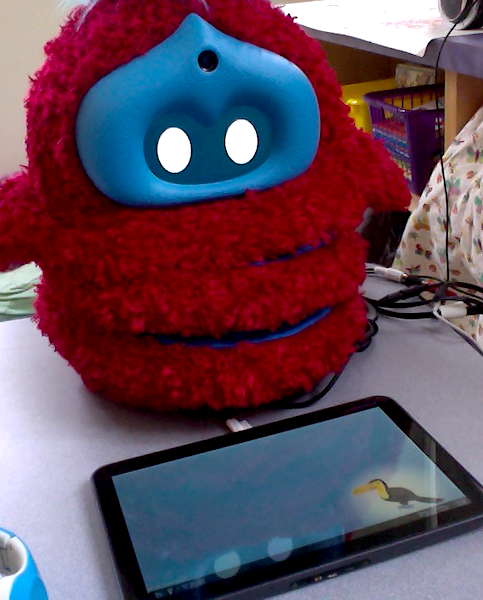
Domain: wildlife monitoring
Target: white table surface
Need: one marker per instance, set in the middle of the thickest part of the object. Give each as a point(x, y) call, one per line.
point(54, 434)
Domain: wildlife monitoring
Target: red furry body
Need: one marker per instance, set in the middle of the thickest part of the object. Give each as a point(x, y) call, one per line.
point(116, 276)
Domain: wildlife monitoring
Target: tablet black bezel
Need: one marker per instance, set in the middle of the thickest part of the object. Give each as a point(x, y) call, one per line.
point(304, 566)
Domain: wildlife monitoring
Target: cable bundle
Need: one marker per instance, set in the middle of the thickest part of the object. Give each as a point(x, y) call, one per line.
point(440, 299)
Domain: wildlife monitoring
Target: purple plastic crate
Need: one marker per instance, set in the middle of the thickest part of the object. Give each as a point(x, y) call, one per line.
point(413, 136)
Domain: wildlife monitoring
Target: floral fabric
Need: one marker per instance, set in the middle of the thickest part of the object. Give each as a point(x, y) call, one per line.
point(422, 249)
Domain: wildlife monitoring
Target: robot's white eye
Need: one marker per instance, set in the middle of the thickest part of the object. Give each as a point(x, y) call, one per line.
point(174, 150)
point(241, 141)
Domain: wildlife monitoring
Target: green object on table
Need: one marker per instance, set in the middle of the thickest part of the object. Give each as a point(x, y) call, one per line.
point(18, 291)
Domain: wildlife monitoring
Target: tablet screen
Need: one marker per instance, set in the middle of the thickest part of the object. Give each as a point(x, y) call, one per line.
point(285, 501)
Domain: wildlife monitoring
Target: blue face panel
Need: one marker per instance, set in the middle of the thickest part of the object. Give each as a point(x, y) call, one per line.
point(198, 81)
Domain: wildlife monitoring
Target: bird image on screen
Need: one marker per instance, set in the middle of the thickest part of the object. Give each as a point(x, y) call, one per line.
point(394, 494)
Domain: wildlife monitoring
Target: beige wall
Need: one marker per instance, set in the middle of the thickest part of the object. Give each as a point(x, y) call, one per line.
point(25, 26)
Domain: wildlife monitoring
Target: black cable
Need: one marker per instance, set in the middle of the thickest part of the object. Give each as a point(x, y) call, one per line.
point(371, 331)
point(312, 397)
point(457, 285)
point(436, 291)
point(324, 386)
point(473, 301)
point(441, 139)
point(405, 293)
point(440, 294)
point(441, 149)
point(388, 305)
point(401, 314)
point(416, 283)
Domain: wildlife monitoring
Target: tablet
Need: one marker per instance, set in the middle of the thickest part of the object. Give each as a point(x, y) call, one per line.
point(270, 509)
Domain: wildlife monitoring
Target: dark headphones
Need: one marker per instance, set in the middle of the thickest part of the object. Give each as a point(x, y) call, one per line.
point(464, 14)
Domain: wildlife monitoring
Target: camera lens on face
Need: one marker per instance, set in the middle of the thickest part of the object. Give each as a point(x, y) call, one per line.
point(208, 61)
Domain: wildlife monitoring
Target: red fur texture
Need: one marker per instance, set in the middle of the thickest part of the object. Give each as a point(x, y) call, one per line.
point(115, 276)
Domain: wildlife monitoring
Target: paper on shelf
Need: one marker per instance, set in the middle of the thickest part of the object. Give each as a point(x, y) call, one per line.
point(405, 25)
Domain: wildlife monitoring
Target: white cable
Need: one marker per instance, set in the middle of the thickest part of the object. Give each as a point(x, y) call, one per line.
point(458, 330)
point(234, 425)
point(390, 273)
point(455, 310)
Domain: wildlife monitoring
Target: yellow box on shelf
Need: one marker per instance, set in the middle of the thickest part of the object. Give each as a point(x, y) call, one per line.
point(352, 95)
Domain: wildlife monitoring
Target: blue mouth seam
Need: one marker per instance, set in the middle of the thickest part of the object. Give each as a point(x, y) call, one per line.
point(232, 339)
point(297, 252)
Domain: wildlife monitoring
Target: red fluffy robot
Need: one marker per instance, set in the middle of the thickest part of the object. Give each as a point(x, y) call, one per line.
point(192, 196)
